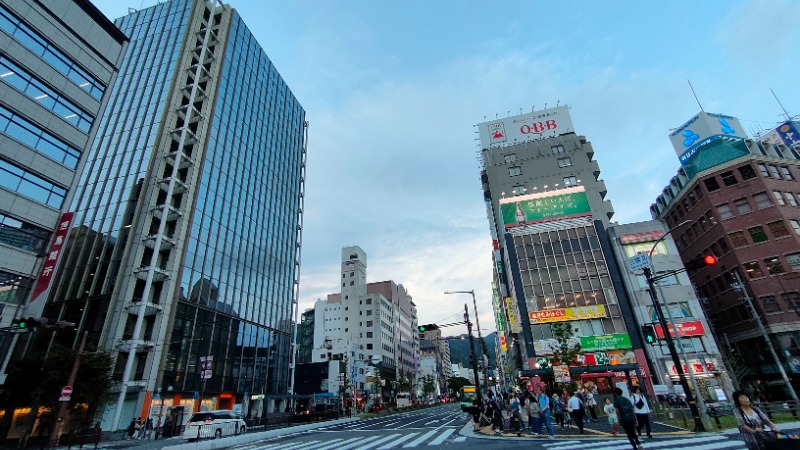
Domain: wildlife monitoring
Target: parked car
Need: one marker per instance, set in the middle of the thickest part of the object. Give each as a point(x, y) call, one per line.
point(214, 424)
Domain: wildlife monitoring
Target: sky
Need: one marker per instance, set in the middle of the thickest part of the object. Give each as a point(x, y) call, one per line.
point(393, 91)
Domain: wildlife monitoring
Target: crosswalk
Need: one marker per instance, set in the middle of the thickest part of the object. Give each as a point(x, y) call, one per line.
point(712, 442)
point(431, 438)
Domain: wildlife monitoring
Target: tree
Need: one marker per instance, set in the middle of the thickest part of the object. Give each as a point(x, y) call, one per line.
point(566, 352)
point(428, 385)
point(404, 381)
point(456, 383)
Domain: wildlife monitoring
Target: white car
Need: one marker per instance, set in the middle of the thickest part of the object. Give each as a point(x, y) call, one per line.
point(214, 424)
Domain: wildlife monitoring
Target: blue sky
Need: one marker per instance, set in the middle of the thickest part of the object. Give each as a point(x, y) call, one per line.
point(392, 91)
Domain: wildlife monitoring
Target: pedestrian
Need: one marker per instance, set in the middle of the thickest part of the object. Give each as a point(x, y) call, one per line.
point(611, 412)
point(475, 411)
point(756, 428)
point(558, 409)
point(138, 427)
point(131, 429)
point(575, 407)
point(627, 417)
point(642, 409)
point(148, 428)
point(525, 407)
point(515, 418)
point(535, 417)
point(591, 403)
point(544, 407)
point(493, 411)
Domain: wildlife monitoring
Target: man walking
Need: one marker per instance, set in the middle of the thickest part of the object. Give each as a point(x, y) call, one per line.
point(575, 407)
point(642, 409)
point(627, 417)
point(544, 407)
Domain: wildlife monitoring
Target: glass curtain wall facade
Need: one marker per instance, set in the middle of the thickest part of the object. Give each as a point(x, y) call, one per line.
point(189, 214)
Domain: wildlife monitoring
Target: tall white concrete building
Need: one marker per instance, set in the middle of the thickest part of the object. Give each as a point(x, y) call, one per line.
point(371, 326)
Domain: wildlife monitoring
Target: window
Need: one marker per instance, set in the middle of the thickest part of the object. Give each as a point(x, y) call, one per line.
point(787, 174)
point(729, 178)
point(509, 158)
point(791, 299)
point(770, 304)
point(514, 171)
point(738, 239)
point(570, 181)
point(723, 246)
point(757, 234)
point(564, 162)
point(753, 270)
point(369, 334)
point(352, 283)
point(369, 346)
point(747, 172)
point(369, 323)
point(779, 198)
point(369, 312)
point(773, 170)
point(763, 169)
point(33, 136)
point(31, 186)
point(22, 235)
point(762, 200)
point(778, 229)
point(795, 226)
point(369, 301)
point(743, 206)
point(794, 260)
point(790, 198)
point(711, 184)
point(774, 265)
point(724, 211)
point(557, 149)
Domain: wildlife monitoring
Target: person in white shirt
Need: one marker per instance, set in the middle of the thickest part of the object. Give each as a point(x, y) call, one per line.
point(575, 407)
point(642, 409)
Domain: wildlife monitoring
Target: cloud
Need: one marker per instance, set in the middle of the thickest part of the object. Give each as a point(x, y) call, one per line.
point(753, 31)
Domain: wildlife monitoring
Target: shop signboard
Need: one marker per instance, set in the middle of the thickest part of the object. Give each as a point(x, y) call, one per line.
point(536, 125)
point(513, 318)
point(606, 342)
point(567, 314)
point(544, 207)
point(561, 374)
point(692, 328)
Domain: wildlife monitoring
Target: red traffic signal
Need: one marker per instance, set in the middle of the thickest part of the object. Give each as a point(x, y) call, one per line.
point(701, 261)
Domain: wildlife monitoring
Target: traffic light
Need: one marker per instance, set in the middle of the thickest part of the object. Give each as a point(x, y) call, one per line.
point(20, 323)
point(649, 332)
point(699, 262)
point(428, 327)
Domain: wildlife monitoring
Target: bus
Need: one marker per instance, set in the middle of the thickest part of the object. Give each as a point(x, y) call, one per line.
point(466, 395)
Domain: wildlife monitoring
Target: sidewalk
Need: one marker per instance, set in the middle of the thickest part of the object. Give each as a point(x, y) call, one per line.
point(116, 441)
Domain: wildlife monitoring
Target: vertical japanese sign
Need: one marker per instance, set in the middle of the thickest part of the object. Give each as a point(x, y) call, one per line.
point(52, 258)
point(513, 318)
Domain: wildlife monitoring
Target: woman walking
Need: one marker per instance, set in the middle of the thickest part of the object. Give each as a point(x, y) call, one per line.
point(558, 409)
point(757, 430)
point(642, 409)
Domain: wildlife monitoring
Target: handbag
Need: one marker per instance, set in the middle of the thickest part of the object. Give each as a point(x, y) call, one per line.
point(639, 403)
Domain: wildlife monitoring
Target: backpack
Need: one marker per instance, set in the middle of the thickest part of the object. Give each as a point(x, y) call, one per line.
point(558, 406)
point(626, 411)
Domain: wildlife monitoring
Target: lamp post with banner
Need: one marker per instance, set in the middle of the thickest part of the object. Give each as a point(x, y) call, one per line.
point(206, 369)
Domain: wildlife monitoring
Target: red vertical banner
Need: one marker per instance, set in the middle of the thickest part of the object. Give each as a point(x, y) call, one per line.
point(52, 257)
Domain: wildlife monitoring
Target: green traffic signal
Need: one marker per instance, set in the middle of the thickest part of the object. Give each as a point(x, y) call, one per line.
point(649, 333)
point(428, 327)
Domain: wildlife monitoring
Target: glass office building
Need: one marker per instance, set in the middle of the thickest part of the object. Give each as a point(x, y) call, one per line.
point(183, 259)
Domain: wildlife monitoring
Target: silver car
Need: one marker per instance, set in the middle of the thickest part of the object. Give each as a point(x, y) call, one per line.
point(214, 424)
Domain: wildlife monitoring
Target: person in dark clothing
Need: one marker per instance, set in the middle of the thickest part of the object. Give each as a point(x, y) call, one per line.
point(475, 411)
point(576, 407)
point(131, 429)
point(627, 418)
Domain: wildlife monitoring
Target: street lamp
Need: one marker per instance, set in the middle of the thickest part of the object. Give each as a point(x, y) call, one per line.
point(480, 337)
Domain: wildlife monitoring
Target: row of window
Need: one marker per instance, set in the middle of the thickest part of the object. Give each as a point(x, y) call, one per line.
point(762, 201)
point(730, 178)
point(759, 235)
point(53, 56)
point(22, 235)
point(38, 139)
point(47, 97)
point(773, 264)
point(25, 183)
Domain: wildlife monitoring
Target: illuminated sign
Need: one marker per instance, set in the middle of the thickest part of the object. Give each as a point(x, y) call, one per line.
point(544, 207)
point(701, 130)
point(513, 321)
point(537, 125)
point(650, 236)
point(693, 328)
point(567, 314)
point(606, 342)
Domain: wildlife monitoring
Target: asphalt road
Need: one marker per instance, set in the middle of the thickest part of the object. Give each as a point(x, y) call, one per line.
point(446, 425)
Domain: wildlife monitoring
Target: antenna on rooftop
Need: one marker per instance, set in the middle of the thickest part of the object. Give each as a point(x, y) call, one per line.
point(785, 113)
point(695, 96)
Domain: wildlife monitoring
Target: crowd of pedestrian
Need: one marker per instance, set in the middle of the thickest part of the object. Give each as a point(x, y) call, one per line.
point(140, 428)
point(540, 411)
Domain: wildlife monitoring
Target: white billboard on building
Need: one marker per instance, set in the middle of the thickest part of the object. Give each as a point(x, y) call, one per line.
point(533, 126)
point(785, 133)
point(702, 129)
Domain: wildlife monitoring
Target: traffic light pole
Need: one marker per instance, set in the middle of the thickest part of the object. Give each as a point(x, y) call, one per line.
point(698, 422)
point(474, 358)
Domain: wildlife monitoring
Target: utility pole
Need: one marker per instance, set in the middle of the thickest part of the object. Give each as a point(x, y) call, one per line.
point(474, 358)
point(55, 434)
point(698, 422)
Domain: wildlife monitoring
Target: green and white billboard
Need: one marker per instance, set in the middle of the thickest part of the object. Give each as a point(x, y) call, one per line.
point(544, 207)
point(619, 341)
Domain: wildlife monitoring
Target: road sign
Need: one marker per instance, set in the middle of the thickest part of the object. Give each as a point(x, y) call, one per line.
point(638, 262)
point(66, 394)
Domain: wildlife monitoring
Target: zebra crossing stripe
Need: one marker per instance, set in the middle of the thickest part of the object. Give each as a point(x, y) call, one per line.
point(398, 441)
point(442, 437)
point(378, 442)
point(285, 446)
point(420, 439)
point(706, 443)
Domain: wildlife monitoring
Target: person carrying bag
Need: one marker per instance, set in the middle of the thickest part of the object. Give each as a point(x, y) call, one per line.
point(758, 431)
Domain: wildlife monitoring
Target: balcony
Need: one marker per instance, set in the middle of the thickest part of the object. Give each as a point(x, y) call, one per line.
point(182, 157)
point(150, 309)
point(159, 274)
point(166, 213)
point(179, 187)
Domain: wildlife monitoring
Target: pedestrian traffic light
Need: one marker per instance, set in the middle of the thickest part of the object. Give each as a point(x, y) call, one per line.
point(19, 323)
point(428, 327)
point(701, 261)
point(649, 333)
